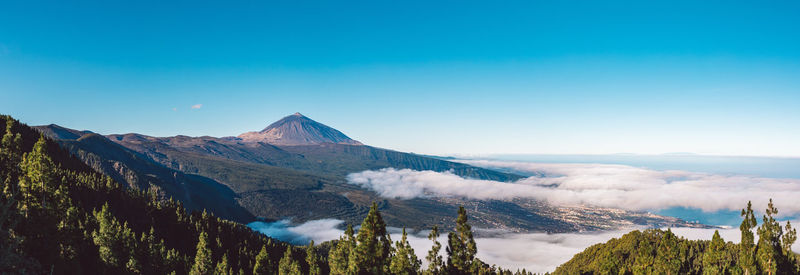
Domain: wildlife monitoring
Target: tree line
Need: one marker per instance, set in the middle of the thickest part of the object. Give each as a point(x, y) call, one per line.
point(657, 251)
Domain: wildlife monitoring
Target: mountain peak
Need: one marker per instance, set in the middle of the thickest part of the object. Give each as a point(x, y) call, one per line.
point(297, 129)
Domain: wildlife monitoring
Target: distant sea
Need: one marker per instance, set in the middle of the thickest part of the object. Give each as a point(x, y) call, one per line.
point(768, 167)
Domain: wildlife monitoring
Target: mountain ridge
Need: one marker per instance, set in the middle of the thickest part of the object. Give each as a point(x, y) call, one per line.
point(308, 181)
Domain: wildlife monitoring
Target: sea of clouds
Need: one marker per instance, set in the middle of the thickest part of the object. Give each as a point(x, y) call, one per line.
point(536, 252)
point(604, 185)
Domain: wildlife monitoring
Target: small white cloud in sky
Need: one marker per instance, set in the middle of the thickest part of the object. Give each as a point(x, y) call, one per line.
point(197, 106)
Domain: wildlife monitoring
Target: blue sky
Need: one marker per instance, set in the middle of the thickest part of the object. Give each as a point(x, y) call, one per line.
point(451, 77)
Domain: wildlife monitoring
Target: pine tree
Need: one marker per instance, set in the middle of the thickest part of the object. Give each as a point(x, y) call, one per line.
point(769, 237)
point(435, 263)
point(461, 247)
point(294, 269)
point(404, 261)
point(12, 259)
point(222, 267)
point(43, 203)
point(747, 247)
point(645, 258)
point(10, 154)
point(669, 254)
point(338, 258)
point(371, 253)
point(789, 237)
point(312, 259)
point(263, 265)
point(151, 253)
point(109, 240)
point(287, 264)
point(203, 264)
point(38, 177)
point(716, 259)
point(610, 262)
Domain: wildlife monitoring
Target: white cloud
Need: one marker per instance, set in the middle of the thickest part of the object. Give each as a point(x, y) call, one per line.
point(604, 185)
point(317, 230)
point(536, 252)
point(197, 106)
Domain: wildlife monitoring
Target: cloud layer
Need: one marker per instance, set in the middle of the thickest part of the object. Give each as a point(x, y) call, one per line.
point(317, 230)
point(536, 252)
point(604, 185)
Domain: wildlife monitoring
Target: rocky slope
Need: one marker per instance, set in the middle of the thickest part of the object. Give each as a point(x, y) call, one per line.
point(140, 172)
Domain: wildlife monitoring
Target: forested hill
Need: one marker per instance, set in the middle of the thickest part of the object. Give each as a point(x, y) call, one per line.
point(58, 216)
point(656, 251)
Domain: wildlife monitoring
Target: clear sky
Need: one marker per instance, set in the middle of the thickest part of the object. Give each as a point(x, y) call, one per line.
point(439, 77)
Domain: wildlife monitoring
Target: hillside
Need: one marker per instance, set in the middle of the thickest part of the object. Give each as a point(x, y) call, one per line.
point(139, 172)
point(56, 220)
point(61, 217)
point(306, 182)
point(655, 251)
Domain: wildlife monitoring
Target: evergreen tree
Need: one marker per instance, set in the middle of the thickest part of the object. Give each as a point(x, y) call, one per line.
point(338, 257)
point(404, 261)
point(789, 237)
point(113, 240)
point(12, 259)
point(312, 259)
point(38, 178)
point(151, 253)
point(222, 267)
point(435, 263)
point(295, 269)
point(747, 247)
point(645, 259)
point(263, 265)
point(287, 264)
point(43, 203)
point(769, 236)
point(610, 262)
point(461, 247)
point(716, 259)
point(10, 154)
point(371, 253)
point(203, 263)
point(668, 255)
